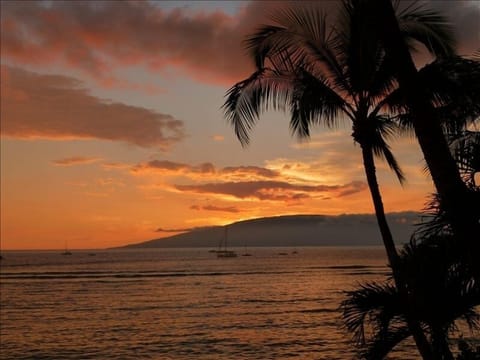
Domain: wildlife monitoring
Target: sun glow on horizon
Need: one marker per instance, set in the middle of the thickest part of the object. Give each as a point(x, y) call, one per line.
point(104, 143)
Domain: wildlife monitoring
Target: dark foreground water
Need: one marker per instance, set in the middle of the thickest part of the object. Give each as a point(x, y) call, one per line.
point(181, 304)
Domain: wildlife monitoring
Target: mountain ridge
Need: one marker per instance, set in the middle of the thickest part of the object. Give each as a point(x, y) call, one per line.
point(293, 230)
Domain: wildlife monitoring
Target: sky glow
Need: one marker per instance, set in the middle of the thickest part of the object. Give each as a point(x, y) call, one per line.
point(112, 128)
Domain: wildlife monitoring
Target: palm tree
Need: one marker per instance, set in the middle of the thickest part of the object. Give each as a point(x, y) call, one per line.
point(453, 193)
point(321, 74)
point(453, 87)
point(434, 267)
point(444, 293)
point(465, 147)
point(439, 279)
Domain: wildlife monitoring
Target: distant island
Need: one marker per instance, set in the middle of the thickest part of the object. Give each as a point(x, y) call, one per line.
point(293, 230)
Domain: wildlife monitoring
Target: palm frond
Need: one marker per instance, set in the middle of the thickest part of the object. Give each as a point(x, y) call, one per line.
point(373, 134)
point(309, 21)
point(442, 290)
point(259, 44)
point(427, 27)
point(246, 100)
point(382, 150)
point(454, 87)
point(371, 308)
point(394, 103)
point(328, 58)
point(293, 28)
point(379, 347)
point(442, 285)
point(313, 101)
point(359, 46)
point(383, 81)
point(466, 151)
point(299, 36)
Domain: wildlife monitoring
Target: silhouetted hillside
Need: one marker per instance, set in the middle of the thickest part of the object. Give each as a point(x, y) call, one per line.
point(294, 230)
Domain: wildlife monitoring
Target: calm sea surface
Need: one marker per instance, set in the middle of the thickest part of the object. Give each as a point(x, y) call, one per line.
point(181, 304)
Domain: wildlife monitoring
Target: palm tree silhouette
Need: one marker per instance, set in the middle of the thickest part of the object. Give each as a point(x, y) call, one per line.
point(453, 86)
point(442, 285)
point(461, 208)
point(319, 73)
point(443, 291)
point(381, 304)
point(465, 146)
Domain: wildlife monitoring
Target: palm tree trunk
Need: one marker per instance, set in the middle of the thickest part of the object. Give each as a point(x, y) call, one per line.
point(440, 344)
point(392, 254)
point(453, 193)
point(370, 172)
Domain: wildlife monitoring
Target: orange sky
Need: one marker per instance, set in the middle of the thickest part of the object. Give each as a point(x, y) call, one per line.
point(112, 129)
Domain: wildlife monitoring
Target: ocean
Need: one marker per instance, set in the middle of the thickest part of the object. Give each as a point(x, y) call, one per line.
point(182, 303)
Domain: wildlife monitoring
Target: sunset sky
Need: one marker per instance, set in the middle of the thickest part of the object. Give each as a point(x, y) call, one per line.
point(112, 129)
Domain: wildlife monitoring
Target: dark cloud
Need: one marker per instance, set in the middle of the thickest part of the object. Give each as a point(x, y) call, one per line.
point(244, 182)
point(163, 166)
point(57, 107)
point(250, 170)
point(230, 209)
point(270, 190)
point(166, 166)
point(93, 36)
point(353, 187)
point(174, 230)
point(160, 165)
point(182, 229)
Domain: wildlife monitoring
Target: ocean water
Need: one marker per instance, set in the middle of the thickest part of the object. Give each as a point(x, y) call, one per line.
point(182, 304)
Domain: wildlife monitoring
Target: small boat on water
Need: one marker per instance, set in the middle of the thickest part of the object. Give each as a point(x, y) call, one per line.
point(226, 254)
point(246, 253)
point(223, 251)
point(66, 252)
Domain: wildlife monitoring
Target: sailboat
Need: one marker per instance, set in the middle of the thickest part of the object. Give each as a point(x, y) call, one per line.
point(246, 253)
point(66, 252)
point(222, 251)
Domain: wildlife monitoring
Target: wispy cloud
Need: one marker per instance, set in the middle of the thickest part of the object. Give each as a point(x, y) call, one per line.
point(166, 167)
point(59, 108)
point(352, 188)
point(283, 180)
point(229, 209)
point(75, 160)
point(272, 190)
point(246, 171)
point(115, 166)
point(169, 167)
point(92, 31)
